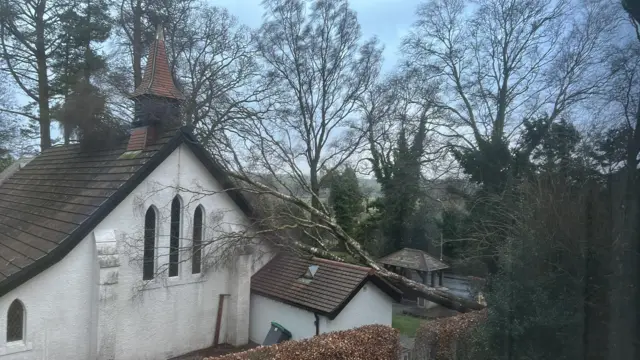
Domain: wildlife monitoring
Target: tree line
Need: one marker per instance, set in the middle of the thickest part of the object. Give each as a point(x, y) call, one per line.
point(507, 136)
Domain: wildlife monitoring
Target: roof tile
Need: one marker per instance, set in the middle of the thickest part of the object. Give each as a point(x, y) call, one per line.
point(48, 199)
point(331, 288)
point(413, 259)
point(50, 205)
point(157, 79)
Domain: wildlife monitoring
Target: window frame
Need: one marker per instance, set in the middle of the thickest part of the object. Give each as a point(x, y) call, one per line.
point(23, 325)
point(145, 275)
point(196, 249)
point(174, 235)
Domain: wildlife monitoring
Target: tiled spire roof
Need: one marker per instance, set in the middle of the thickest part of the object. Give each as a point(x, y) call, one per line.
point(157, 79)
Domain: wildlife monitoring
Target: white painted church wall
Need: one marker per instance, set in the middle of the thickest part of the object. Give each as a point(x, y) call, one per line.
point(86, 306)
point(60, 308)
point(174, 315)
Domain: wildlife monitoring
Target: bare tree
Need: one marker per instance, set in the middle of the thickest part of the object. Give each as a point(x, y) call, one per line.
point(8, 131)
point(402, 122)
point(212, 57)
point(136, 24)
point(318, 73)
point(318, 69)
point(506, 61)
point(216, 65)
point(29, 35)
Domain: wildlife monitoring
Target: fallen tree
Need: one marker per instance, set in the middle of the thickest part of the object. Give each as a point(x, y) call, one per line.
point(319, 222)
point(285, 149)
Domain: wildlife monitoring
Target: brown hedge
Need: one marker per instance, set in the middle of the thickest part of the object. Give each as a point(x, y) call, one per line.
point(440, 339)
point(371, 342)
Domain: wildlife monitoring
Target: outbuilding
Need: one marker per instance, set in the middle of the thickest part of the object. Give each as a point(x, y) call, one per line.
point(311, 296)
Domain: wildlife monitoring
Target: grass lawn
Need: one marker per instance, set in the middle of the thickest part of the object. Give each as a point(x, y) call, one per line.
point(406, 324)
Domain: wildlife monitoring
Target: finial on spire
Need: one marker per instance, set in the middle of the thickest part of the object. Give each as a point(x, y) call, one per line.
point(159, 33)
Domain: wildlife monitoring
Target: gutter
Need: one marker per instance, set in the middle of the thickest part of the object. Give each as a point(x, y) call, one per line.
point(317, 323)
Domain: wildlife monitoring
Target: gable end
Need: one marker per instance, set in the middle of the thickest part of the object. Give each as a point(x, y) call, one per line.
point(183, 135)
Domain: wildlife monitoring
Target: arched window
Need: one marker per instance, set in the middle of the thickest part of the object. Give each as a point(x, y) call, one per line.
point(174, 241)
point(148, 268)
point(15, 321)
point(196, 257)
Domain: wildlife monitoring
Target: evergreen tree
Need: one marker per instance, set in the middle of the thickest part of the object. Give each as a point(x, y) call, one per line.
point(85, 24)
point(346, 199)
point(6, 135)
point(402, 189)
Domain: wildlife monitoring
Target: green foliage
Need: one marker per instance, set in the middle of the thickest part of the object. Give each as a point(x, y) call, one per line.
point(400, 184)
point(407, 325)
point(369, 230)
point(488, 165)
point(5, 161)
point(85, 111)
point(423, 227)
point(84, 26)
point(346, 199)
point(545, 147)
point(552, 232)
point(453, 226)
point(557, 147)
point(610, 147)
point(8, 135)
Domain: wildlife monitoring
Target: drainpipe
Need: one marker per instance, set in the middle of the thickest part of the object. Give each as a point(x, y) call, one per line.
point(216, 336)
point(317, 323)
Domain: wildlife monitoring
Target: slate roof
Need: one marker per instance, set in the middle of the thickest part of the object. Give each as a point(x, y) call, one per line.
point(157, 79)
point(333, 286)
point(413, 259)
point(50, 205)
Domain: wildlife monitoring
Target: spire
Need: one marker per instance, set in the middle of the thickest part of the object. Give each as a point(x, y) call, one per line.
point(157, 79)
point(159, 33)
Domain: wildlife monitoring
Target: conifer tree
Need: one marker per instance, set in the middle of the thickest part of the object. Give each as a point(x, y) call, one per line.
point(85, 25)
point(346, 199)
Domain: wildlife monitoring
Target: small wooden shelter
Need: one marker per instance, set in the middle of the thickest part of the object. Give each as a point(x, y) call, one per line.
point(407, 262)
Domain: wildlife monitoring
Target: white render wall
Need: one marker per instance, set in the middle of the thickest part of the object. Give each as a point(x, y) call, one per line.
point(369, 306)
point(60, 307)
point(174, 315)
point(264, 311)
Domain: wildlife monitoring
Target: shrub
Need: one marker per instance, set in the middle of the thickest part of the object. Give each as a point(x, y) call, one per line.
point(371, 342)
point(447, 338)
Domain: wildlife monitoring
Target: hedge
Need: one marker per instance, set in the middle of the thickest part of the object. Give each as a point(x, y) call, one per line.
point(371, 342)
point(445, 339)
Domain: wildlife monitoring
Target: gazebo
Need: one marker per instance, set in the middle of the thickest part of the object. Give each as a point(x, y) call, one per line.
point(407, 262)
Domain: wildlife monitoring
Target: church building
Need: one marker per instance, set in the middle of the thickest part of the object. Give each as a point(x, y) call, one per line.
point(101, 252)
point(114, 253)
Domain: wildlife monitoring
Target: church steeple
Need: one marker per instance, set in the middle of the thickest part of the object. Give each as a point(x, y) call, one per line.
point(157, 97)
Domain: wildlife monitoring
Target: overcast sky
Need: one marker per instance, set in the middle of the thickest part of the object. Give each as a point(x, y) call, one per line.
point(389, 20)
